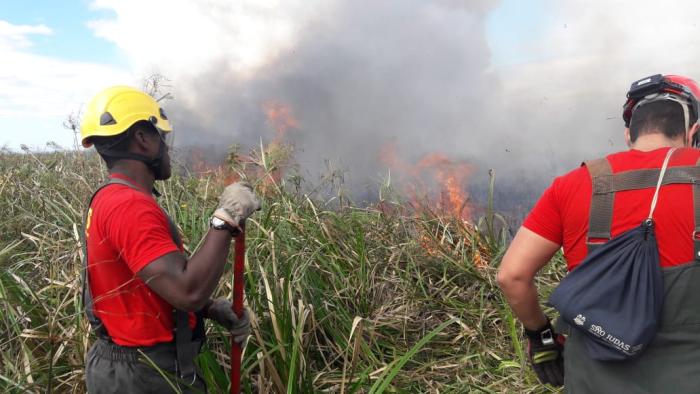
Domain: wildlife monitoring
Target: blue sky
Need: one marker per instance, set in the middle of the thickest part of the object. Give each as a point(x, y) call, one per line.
point(71, 38)
point(38, 104)
point(511, 26)
point(74, 40)
point(553, 64)
point(52, 60)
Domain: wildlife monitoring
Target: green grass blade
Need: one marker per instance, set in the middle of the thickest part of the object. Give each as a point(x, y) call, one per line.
point(381, 384)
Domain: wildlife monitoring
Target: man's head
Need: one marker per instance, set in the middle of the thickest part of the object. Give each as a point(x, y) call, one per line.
point(140, 142)
point(665, 117)
point(663, 105)
point(124, 123)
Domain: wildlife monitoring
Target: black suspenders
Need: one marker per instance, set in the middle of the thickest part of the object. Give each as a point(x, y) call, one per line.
point(186, 346)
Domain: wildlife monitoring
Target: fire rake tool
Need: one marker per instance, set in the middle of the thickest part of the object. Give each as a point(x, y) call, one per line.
point(238, 281)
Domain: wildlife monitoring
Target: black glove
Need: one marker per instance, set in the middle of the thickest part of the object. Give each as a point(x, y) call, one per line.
point(220, 311)
point(544, 349)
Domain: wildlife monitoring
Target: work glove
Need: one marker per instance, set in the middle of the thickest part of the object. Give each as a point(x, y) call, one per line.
point(237, 202)
point(220, 310)
point(545, 351)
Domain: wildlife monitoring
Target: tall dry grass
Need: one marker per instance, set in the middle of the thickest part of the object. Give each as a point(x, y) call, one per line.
point(345, 299)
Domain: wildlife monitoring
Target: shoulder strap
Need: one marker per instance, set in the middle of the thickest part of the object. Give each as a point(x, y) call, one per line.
point(696, 215)
point(88, 300)
point(602, 197)
point(647, 178)
point(186, 345)
point(605, 185)
point(174, 233)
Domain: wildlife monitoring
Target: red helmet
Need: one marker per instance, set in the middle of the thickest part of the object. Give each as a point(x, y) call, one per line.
point(682, 90)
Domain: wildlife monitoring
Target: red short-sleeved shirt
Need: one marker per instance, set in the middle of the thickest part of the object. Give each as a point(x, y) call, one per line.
point(561, 215)
point(126, 230)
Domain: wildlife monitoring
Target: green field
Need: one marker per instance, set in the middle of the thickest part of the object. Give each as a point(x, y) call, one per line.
point(346, 299)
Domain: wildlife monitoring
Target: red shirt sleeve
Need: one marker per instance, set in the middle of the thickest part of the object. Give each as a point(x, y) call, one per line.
point(140, 232)
point(545, 218)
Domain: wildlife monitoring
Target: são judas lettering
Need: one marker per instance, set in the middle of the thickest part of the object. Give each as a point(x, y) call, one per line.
point(601, 333)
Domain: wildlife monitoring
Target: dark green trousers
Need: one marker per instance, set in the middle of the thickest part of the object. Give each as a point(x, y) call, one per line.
point(115, 369)
point(671, 363)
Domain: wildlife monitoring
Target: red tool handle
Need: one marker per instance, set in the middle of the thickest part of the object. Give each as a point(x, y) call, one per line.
point(238, 281)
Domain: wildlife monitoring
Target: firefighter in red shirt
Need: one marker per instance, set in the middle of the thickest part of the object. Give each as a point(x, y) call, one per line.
point(660, 115)
point(143, 297)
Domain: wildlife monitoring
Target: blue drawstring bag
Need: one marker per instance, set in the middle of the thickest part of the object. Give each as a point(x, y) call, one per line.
point(616, 294)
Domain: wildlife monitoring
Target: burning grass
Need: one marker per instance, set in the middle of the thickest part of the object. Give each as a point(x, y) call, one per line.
point(345, 299)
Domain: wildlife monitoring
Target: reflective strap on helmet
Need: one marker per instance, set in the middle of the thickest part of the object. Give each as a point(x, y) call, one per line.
point(670, 97)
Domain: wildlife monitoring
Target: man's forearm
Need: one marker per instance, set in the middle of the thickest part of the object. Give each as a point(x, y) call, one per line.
point(527, 254)
point(188, 284)
point(522, 297)
point(204, 269)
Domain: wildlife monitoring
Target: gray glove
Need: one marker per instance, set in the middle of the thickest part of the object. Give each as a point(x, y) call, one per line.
point(237, 202)
point(220, 310)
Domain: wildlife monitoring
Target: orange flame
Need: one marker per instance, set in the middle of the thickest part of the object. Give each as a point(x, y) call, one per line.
point(436, 177)
point(280, 116)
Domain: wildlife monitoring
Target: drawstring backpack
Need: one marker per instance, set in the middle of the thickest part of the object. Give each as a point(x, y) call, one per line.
point(616, 294)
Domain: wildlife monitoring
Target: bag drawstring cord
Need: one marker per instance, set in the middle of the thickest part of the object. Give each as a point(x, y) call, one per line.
point(658, 184)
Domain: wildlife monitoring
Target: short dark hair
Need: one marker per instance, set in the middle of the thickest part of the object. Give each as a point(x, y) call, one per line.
point(660, 116)
point(119, 143)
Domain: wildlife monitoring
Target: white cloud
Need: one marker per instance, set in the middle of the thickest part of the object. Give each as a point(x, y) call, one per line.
point(183, 37)
point(15, 36)
point(570, 95)
point(600, 45)
point(44, 89)
point(569, 98)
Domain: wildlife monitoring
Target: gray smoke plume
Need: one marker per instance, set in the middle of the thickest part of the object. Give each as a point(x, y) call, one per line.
point(419, 74)
point(411, 73)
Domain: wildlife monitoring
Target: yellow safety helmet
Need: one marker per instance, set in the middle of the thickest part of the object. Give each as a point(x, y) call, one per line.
point(113, 110)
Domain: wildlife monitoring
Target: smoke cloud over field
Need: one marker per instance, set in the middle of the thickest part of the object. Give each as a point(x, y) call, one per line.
point(367, 74)
point(358, 75)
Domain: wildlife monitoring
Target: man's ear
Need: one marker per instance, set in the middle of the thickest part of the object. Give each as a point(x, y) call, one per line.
point(628, 139)
point(692, 133)
point(139, 140)
point(143, 141)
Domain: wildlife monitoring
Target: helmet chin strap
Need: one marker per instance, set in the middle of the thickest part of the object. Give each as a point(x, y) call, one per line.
point(155, 164)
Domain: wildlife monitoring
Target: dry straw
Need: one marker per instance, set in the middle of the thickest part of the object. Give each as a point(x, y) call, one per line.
point(345, 299)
